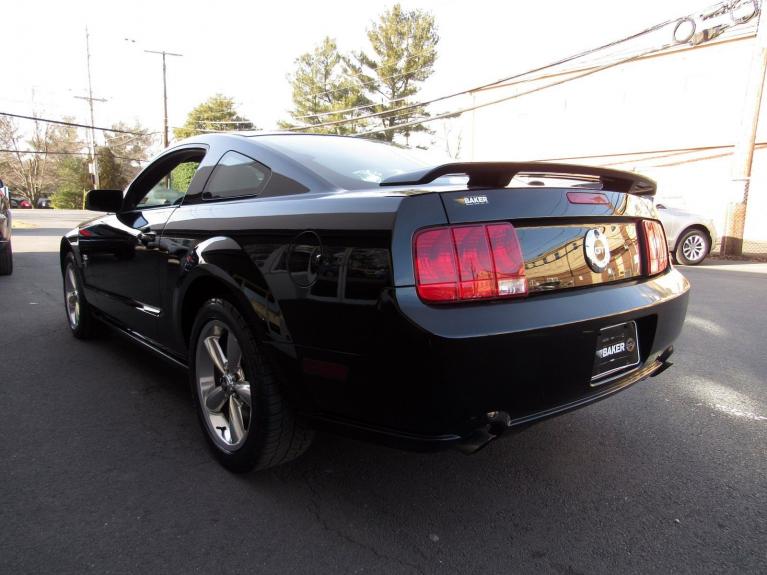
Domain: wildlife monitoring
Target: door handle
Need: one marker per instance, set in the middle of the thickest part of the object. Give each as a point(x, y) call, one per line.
point(145, 238)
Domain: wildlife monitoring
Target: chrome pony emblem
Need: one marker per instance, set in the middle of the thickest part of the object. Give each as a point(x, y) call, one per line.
point(597, 250)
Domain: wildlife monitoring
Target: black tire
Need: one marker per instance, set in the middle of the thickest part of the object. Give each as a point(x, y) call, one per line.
point(274, 435)
point(83, 326)
point(693, 247)
point(6, 260)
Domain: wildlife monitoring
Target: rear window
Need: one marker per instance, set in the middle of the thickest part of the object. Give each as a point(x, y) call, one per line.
point(351, 163)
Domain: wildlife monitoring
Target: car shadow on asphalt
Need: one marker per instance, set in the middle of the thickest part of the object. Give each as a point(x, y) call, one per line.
point(330, 458)
point(332, 454)
point(340, 480)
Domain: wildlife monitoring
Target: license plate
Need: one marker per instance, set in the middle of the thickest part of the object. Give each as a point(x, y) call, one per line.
point(617, 349)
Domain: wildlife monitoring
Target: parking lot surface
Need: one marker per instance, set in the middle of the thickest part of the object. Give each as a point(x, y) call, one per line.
point(103, 468)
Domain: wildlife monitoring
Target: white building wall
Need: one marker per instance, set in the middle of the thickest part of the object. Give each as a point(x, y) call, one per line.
point(690, 98)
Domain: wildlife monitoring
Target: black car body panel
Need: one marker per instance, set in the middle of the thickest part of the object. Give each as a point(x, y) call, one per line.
point(326, 278)
point(6, 217)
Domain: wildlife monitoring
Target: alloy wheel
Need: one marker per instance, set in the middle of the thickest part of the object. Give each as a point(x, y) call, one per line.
point(72, 297)
point(222, 388)
point(694, 248)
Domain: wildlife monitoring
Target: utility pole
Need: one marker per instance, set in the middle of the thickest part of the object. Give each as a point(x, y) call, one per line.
point(164, 92)
point(743, 156)
point(91, 99)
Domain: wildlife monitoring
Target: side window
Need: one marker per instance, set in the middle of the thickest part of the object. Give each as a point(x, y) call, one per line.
point(234, 176)
point(172, 186)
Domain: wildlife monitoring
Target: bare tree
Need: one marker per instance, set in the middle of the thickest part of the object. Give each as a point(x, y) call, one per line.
point(453, 141)
point(129, 152)
point(31, 163)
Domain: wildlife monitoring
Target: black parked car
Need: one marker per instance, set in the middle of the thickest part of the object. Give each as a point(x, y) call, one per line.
point(313, 281)
point(6, 251)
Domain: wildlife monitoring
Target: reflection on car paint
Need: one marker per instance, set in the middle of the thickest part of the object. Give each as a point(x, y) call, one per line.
point(554, 256)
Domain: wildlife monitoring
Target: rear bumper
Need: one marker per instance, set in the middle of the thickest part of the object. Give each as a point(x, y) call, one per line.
point(440, 370)
point(484, 430)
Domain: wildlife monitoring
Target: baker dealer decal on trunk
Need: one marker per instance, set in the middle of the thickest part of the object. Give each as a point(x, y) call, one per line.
point(472, 200)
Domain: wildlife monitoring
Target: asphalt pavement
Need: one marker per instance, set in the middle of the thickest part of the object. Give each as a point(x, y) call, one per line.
point(103, 468)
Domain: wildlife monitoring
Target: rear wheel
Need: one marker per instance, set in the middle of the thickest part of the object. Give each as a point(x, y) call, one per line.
point(246, 421)
point(6, 260)
point(692, 248)
point(79, 317)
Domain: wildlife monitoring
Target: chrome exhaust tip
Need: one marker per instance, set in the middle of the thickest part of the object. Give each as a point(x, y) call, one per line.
point(495, 424)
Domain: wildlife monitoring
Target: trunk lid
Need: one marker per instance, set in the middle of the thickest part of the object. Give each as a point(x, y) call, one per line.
point(577, 225)
point(554, 232)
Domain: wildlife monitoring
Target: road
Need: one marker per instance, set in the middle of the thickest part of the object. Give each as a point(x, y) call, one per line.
point(103, 468)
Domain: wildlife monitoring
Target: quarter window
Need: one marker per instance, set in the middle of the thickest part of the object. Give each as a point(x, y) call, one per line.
point(234, 176)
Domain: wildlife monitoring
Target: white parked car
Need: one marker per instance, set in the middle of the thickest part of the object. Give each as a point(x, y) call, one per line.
point(690, 236)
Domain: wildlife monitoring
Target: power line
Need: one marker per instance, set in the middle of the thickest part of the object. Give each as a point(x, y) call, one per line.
point(506, 79)
point(65, 154)
point(642, 152)
point(397, 111)
point(236, 122)
point(372, 81)
point(204, 131)
point(513, 96)
point(352, 109)
point(129, 140)
point(362, 85)
point(76, 125)
point(586, 72)
point(355, 108)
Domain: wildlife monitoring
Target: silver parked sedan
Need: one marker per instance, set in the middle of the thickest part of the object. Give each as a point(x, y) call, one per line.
point(690, 236)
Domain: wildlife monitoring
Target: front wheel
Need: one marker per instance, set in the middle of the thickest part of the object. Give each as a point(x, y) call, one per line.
point(692, 248)
point(79, 316)
point(246, 421)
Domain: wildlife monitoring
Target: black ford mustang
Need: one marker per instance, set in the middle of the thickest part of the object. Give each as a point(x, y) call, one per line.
point(316, 281)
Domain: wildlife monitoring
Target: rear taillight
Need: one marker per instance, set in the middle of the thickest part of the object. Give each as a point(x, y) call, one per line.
point(464, 263)
point(656, 247)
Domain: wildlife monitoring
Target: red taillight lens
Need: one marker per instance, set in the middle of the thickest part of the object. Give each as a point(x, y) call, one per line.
point(435, 266)
point(656, 247)
point(469, 262)
point(509, 263)
point(475, 263)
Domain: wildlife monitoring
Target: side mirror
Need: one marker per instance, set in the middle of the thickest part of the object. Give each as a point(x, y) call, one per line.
point(104, 200)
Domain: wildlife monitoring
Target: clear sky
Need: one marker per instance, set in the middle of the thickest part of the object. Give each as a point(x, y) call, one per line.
point(246, 49)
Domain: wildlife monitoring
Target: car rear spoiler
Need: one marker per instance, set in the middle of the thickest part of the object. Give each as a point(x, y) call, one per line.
point(499, 174)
